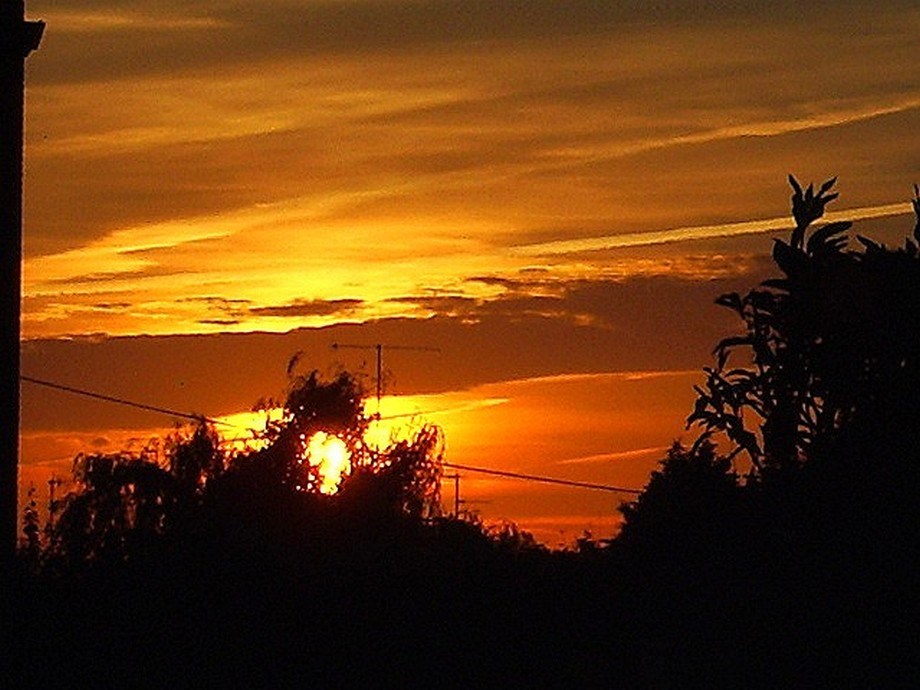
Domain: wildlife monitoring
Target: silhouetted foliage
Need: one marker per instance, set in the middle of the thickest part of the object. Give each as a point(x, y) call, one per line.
point(830, 347)
point(509, 537)
point(128, 507)
point(311, 405)
point(125, 503)
point(810, 555)
point(826, 395)
point(685, 504)
point(404, 479)
point(30, 548)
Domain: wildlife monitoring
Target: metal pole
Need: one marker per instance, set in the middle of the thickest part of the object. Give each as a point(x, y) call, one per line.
point(378, 348)
point(379, 374)
point(18, 38)
point(456, 478)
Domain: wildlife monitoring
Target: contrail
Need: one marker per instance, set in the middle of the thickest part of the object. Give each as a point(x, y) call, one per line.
point(700, 232)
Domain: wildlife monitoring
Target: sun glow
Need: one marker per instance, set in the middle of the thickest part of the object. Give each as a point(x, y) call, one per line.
point(330, 458)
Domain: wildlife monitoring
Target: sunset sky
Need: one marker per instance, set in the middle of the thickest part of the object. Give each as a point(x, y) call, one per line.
point(549, 192)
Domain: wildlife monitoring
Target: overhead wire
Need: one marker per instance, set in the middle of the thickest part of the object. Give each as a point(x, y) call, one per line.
point(196, 417)
point(122, 401)
point(545, 480)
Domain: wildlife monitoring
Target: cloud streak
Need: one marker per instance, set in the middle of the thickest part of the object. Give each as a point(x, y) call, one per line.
point(301, 308)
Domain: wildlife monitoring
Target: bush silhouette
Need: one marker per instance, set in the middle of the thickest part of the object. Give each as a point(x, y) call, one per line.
point(127, 503)
point(686, 507)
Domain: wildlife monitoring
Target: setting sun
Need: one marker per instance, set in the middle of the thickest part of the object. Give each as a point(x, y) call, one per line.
point(329, 457)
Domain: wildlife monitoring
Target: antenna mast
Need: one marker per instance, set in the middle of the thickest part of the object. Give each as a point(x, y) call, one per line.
point(378, 348)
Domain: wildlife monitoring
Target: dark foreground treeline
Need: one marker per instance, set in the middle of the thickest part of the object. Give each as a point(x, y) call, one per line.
point(798, 570)
point(401, 605)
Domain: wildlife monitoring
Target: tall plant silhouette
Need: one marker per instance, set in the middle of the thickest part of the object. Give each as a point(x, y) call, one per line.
point(830, 347)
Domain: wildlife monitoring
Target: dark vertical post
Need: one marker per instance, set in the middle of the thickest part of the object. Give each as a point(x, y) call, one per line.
point(18, 38)
point(456, 477)
point(457, 495)
point(379, 348)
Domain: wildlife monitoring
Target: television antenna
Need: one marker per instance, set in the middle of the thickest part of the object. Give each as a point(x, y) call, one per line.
point(378, 349)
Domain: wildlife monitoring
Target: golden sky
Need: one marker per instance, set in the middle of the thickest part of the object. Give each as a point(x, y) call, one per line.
point(551, 192)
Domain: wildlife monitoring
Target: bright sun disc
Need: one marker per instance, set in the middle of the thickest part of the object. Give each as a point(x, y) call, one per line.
point(330, 455)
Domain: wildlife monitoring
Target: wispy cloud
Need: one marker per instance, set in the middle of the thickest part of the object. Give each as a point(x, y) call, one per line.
point(639, 453)
point(106, 21)
point(388, 150)
point(830, 117)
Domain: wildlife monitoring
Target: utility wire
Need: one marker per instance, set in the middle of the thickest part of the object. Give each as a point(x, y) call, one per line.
point(186, 415)
point(162, 410)
point(546, 480)
point(122, 401)
point(403, 415)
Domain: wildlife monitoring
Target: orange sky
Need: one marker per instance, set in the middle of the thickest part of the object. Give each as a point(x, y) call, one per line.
point(551, 192)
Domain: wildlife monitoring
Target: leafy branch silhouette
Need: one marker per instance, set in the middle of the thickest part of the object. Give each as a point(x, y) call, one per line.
point(821, 345)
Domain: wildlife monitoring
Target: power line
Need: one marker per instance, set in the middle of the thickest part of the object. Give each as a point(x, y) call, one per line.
point(194, 417)
point(162, 410)
point(122, 401)
point(546, 480)
point(173, 413)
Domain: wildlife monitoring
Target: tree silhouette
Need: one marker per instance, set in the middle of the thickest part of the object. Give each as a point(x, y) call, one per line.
point(126, 503)
point(30, 548)
point(311, 405)
point(405, 476)
point(128, 507)
point(403, 479)
point(798, 574)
